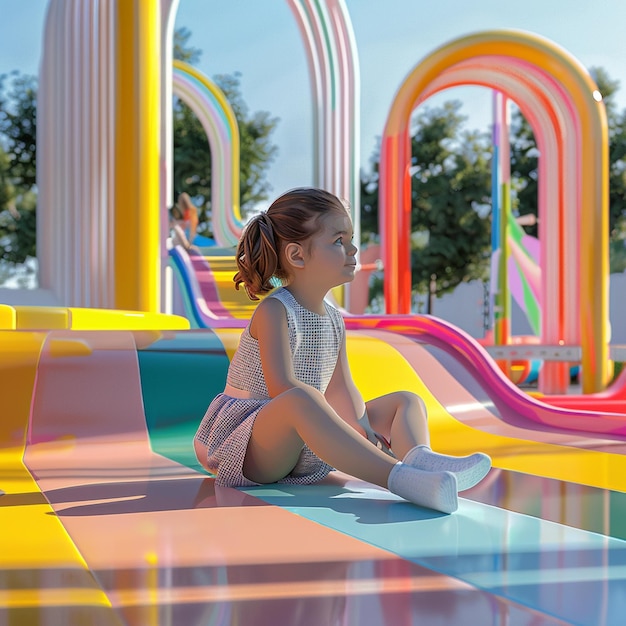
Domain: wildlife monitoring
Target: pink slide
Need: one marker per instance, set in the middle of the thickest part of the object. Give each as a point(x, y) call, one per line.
point(612, 399)
point(475, 360)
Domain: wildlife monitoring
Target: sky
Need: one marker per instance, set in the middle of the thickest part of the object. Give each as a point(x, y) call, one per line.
point(259, 39)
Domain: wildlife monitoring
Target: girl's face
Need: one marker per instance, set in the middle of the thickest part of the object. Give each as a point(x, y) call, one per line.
point(331, 253)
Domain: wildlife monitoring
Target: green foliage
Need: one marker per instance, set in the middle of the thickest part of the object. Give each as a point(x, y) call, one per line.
point(192, 154)
point(7, 190)
point(451, 194)
point(182, 50)
point(18, 230)
point(18, 125)
point(524, 172)
point(18, 200)
point(369, 200)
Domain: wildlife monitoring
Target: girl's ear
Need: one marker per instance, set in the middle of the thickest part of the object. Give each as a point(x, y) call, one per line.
point(294, 255)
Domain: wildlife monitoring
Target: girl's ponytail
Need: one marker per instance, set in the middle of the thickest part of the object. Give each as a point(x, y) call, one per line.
point(257, 257)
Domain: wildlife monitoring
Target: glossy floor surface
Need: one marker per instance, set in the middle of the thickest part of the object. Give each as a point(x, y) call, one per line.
point(108, 519)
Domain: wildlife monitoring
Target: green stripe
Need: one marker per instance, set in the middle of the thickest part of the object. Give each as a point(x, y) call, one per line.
point(180, 375)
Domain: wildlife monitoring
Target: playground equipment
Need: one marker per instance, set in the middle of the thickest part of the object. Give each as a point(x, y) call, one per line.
point(210, 106)
point(84, 257)
point(564, 107)
point(114, 152)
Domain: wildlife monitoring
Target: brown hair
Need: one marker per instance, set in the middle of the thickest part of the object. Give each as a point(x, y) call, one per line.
point(291, 218)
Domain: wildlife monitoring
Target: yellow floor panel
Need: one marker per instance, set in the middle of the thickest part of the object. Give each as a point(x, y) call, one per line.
point(40, 567)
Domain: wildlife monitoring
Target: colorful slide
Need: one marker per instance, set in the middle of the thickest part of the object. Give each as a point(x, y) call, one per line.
point(207, 290)
point(512, 403)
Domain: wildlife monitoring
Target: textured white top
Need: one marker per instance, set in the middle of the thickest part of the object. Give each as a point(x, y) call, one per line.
point(315, 341)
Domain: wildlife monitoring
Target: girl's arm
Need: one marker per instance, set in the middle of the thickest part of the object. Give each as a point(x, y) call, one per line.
point(269, 328)
point(193, 224)
point(342, 394)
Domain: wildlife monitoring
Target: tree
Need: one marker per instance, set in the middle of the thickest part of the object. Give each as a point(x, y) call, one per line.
point(450, 198)
point(192, 155)
point(182, 50)
point(18, 199)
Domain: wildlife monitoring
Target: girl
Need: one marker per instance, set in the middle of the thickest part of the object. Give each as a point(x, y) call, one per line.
point(290, 411)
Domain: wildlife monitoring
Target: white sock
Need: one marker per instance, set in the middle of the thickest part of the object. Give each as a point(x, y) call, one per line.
point(469, 470)
point(433, 490)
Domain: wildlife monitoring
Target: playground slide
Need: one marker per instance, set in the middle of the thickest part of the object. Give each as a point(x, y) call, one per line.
point(468, 403)
point(506, 397)
point(206, 285)
point(198, 287)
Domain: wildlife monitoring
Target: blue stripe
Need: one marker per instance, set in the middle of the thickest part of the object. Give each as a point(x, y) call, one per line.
point(570, 573)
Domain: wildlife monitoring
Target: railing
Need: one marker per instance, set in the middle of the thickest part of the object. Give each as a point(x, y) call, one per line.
point(570, 354)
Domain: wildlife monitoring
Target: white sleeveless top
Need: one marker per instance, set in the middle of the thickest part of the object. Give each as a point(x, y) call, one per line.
point(315, 341)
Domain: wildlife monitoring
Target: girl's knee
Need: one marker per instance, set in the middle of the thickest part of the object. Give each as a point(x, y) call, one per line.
point(410, 401)
point(302, 395)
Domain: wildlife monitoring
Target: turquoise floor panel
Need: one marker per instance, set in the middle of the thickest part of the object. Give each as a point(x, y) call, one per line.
point(572, 574)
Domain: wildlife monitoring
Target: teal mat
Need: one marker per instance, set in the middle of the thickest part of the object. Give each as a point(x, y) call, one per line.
point(180, 375)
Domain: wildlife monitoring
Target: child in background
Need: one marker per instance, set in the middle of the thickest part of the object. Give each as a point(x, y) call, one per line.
point(188, 215)
point(290, 411)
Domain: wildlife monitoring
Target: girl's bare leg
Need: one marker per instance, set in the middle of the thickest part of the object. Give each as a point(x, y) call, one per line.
point(401, 418)
point(297, 416)
point(301, 416)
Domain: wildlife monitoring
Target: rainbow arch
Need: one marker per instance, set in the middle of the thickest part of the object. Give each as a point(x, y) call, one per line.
point(564, 107)
point(217, 117)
